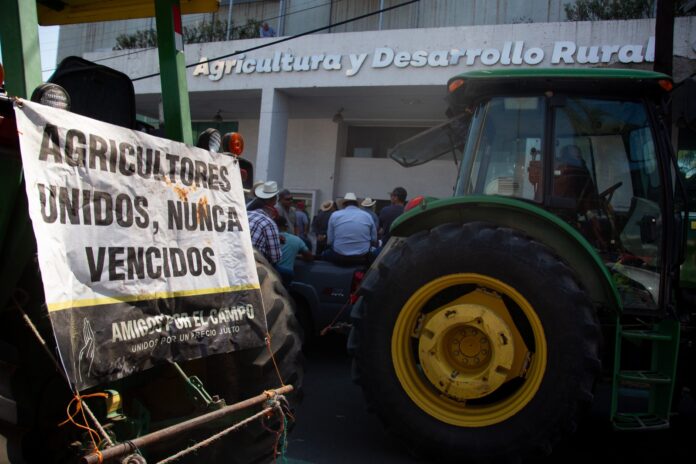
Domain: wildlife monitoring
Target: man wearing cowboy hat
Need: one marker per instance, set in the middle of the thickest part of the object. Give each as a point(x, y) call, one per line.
point(368, 205)
point(320, 224)
point(351, 233)
point(264, 232)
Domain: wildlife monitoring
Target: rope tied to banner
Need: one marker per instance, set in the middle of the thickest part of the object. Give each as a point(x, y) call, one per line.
point(275, 364)
point(282, 431)
point(77, 401)
point(77, 398)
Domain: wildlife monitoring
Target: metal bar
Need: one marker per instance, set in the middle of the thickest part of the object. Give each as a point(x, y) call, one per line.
point(174, 430)
point(664, 36)
point(177, 112)
point(381, 15)
point(194, 387)
point(19, 34)
point(59, 368)
point(230, 4)
point(281, 18)
point(21, 60)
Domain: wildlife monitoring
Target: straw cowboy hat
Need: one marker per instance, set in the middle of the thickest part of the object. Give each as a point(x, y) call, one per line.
point(266, 190)
point(326, 206)
point(368, 202)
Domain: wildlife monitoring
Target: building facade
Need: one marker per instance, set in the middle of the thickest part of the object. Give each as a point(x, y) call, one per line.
point(319, 113)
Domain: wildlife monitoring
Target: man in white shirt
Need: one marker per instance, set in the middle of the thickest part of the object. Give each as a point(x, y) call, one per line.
point(351, 234)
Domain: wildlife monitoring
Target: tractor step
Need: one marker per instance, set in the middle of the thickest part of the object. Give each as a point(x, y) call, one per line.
point(642, 399)
point(647, 377)
point(646, 335)
point(627, 421)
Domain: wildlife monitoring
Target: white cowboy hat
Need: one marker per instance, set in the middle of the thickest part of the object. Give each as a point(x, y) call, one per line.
point(368, 202)
point(350, 196)
point(266, 190)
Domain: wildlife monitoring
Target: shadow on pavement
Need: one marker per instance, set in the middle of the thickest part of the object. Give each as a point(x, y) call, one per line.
point(333, 424)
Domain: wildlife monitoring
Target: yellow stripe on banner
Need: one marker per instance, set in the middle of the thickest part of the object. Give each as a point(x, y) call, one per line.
point(151, 296)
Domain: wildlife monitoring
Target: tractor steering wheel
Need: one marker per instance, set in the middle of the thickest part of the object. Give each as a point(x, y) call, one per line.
point(607, 194)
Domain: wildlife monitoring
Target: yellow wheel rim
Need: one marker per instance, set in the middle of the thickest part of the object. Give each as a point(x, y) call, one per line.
point(466, 362)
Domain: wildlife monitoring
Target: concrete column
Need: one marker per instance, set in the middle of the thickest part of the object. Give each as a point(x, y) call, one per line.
point(273, 131)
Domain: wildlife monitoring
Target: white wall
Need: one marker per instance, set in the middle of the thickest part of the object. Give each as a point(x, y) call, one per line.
point(310, 156)
point(376, 177)
point(249, 128)
point(542, 35)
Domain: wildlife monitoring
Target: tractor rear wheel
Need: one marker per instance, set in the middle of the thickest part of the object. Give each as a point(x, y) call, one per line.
point(246, 373)
point(476, 343)
point(257, 369)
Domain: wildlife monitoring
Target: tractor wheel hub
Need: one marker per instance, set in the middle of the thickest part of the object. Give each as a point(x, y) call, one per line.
point(466, 351)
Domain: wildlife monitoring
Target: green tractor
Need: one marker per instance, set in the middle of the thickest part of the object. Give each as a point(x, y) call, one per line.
point(489, 317)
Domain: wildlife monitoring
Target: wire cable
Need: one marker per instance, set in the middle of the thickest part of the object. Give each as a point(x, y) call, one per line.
point(137, 28)
point(286, 39)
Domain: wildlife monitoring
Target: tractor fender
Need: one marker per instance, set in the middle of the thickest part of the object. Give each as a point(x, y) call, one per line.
point(537, 223)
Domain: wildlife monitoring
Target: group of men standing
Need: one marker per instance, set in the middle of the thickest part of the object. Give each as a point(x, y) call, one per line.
point(351, 235)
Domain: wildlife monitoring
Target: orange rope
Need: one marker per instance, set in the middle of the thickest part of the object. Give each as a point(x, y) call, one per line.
point(325, 330)
point(79, 409)
point(270, 351)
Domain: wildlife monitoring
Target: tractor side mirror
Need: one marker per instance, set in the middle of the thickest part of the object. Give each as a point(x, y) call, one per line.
point(648, 229)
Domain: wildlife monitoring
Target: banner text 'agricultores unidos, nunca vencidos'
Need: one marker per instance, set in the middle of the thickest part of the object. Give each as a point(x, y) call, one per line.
point(143, 246)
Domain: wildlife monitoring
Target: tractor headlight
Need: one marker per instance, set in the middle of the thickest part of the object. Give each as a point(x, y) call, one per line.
point(210, 140)
point(52, 95)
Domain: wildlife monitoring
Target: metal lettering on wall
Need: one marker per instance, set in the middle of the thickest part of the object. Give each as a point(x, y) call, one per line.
point(512, 53)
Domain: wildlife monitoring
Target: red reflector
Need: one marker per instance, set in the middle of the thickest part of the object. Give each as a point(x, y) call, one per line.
point(244, 174)
point(666, 84)
point(357, 279)
point(414, 202)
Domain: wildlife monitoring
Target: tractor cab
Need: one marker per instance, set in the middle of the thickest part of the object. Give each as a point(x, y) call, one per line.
point(588, 146)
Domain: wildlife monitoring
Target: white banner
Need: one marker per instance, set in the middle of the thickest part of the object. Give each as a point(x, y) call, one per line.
point(143, 244)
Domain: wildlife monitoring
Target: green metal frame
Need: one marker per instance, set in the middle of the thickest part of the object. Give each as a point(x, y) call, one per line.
point(656, 384)
point(534, 221)
point(22, 64)
point(20, 54)
point(687, 275)
point(175, 102)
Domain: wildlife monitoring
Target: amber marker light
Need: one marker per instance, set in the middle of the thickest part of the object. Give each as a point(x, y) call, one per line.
point(234, 143)
point(454, 85)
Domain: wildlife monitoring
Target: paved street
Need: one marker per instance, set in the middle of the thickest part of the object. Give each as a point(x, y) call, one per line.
point(333, 425)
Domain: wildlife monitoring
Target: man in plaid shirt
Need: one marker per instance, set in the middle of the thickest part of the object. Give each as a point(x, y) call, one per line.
point(263, 229)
